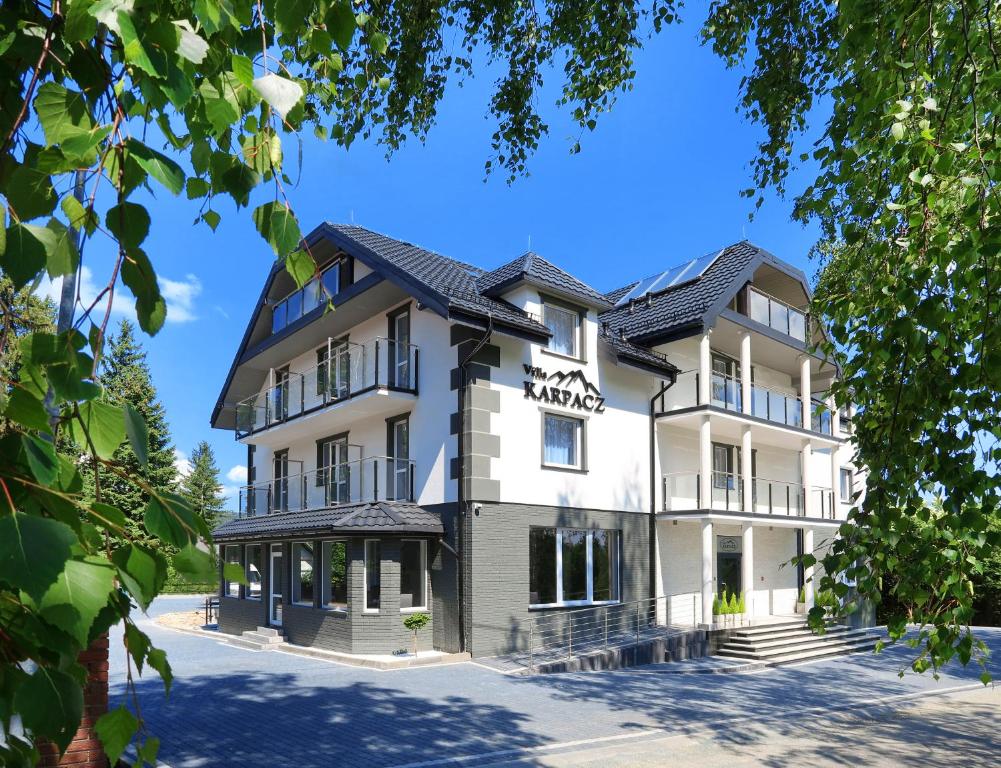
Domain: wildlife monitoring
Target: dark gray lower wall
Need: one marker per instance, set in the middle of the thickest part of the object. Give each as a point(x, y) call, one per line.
point(236, 616)
point(445, 582)
point(497, 540)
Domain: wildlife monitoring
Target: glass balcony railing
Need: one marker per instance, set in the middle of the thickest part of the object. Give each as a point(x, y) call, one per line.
point(306, 299)
point(682, 493)
point(375, 478)
point(349, 370)
point(776, 314)
point(773, 405)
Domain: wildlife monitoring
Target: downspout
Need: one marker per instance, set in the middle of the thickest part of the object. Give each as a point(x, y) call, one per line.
point(653, 485)
point(460, 526)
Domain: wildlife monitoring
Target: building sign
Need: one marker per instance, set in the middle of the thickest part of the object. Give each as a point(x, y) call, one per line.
point(570, 389)
point(728, 543)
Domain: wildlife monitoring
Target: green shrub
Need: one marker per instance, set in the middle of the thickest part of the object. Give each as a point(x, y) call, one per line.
point(415, 622)
point(717, 607)
point(741, 606)
point(802, 595)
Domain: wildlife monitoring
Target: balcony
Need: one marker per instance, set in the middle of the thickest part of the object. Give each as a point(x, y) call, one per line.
point(766, 402)
point(304, 300)
point(681, 492)
point(777, 314)
point(375, 478)
point(351, 370)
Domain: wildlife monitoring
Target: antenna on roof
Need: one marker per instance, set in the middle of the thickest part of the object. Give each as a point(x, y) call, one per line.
point(743, 232)
point(351, 215)
point(529, 241)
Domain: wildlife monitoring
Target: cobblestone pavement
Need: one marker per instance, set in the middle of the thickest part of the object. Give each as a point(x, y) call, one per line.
point(232, 707)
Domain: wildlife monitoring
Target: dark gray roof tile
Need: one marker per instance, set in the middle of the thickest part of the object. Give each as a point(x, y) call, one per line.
point(532, 268)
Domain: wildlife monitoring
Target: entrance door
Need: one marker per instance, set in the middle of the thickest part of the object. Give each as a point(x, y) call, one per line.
point(277, 581)
point(728, 567)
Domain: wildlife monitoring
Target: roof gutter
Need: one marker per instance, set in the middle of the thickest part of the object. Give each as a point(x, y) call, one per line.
point(665, 385)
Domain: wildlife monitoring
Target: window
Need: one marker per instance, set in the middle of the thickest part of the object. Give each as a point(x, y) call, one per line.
point(565, 325)
point(333, 371)
point(847, 484)
point(331, 280)
point(335, 582)
point(333, 472)
point(562, 442)
point(399, 349)
point(255, 567)
point(302, 580)
point(573, 566)
point(398, 468)
point(373, 574)
point(232, 555)
point(413, 574)
point(723, 466)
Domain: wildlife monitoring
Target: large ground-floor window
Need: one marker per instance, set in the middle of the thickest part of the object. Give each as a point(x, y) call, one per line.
point(573, 566)
point(335, 581)
point(255, 569)
point(302, 579)
point(413, 574)
point(231, 553)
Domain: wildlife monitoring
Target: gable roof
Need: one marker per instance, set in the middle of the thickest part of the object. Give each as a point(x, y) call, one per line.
point(531, 268)
point(365, 517)
point(447, 285)
point(658, 315)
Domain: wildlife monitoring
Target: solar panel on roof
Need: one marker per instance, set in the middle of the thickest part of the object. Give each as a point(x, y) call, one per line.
point(671, 278)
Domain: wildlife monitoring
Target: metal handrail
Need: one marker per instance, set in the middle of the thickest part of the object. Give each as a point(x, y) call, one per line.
point(789, 309)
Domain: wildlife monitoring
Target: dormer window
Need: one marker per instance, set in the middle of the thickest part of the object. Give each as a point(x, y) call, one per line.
point(566, 326)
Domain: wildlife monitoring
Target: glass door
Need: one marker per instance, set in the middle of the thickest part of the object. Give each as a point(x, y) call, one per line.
point(277, 581)
point(399, 460)
point(333, 458)
point(399, 331)
point(279, 502)
point(279, 395)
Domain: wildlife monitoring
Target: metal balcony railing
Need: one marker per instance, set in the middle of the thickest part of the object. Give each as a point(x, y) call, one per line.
point(681, 492)
point(350, 370)
point(777, 314)
point(375, 478)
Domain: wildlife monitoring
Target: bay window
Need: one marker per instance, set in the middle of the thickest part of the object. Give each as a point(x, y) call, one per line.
point(335, 580)
point(231, 554)
point(413, 574)
point(562, 442)
point(302, 578)
point(573, 566)
point(255, 567)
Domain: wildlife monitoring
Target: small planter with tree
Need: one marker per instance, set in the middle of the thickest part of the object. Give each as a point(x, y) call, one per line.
point(415, 622)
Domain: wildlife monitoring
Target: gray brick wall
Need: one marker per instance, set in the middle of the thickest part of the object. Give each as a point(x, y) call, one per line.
point(236, 616)
point(497, 614)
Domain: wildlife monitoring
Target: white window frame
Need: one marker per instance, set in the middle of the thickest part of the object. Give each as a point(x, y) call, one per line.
point(561, 603)
point(365, 607)
point(851, 484)
point(325, 574)
point(575, 314)
point(246, 570)
point(423, 607)
point(581, 465)
point(297, 574)
point(229, 585)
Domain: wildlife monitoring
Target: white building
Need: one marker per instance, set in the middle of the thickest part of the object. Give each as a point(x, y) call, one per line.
point(495, 446)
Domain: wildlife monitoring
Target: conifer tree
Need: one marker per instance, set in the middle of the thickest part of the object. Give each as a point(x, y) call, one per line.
point(126, 377)
point(201, 487)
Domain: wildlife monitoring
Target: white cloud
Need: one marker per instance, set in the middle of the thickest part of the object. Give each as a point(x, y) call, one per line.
point(237, 474)
point(180, 296)
point(181, 463)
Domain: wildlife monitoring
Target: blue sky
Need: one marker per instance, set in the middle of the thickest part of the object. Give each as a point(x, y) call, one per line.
point(656, 184)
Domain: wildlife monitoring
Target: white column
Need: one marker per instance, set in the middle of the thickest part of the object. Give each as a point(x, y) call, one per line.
point(707, 572)
point(705, 369)
point(747, 568)
point(835, 416)
point(807, 472)
point(705, 464)
point(835, 459)
point(805, 388)
point(746, 465)
point(745, 371)
point(808, 572)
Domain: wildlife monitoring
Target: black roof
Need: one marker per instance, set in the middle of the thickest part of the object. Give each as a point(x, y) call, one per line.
point(637, 355)
point(449, 283)
point(387, 517)
point(657, 314)
point(532, 268)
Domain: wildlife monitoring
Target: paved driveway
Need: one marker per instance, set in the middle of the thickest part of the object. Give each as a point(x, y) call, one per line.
point(235, 707)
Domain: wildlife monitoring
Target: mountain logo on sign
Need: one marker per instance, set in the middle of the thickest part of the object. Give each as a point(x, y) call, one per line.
point(559, 393)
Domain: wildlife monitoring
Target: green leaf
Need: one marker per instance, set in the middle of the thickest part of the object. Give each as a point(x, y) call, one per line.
point(33, 551)
point(233, 572)
point(159, 166)
point(221, 106)
point(243, 69)
point(138, 434)
point(278, 227)
point(41, 455)
point(135, 50)
point(172, 523)
point(27, 410)
point(63, 114)
point(29, 192)
point(341, 23)
point(290, 15)
point(300, 265)
point(141, 572)
point(158, 660)
point(25, 254)
point(215, 15)
point(50, 704)
point(129, 222)
point(116, 730)
point(106, 515)
point(378, 43)
point(194, 564)
point(78, 595)
point(62, 257)
point(239, 181)
point(73, 210)
point(103, 423)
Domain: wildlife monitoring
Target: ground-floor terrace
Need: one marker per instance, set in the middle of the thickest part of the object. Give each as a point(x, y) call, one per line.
point(233, 707)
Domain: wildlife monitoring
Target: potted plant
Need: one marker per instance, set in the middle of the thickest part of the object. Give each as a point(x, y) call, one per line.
point(416, 622)
point(734, 610)
point(719, 608)
point(801, 601)
point(742, 610)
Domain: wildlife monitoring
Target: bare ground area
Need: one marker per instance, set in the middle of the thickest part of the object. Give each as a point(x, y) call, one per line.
point(193, 620)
